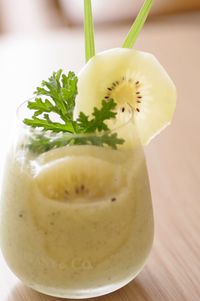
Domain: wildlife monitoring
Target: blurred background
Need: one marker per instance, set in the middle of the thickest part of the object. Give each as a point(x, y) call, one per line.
point(36, 15)
point(40, 36)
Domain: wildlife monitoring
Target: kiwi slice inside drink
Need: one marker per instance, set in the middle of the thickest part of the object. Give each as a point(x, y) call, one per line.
point(80, 179)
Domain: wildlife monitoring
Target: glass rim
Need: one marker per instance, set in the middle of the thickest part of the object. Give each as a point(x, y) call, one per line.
point(52, 134)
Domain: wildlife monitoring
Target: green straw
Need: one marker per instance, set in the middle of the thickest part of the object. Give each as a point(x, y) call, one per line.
point(89, 31)
point(138, 24)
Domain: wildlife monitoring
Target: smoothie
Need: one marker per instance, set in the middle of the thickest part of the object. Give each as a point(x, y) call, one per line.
point(90, 241)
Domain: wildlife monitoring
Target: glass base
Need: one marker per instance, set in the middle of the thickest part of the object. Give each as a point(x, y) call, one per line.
point(81, 294)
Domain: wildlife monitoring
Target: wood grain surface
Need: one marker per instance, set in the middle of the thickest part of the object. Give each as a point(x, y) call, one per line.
point(172, 272)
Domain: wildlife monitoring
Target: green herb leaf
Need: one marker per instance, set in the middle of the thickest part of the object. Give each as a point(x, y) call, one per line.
point(97, 123)
point(61, 91)
point(41, 106)
point(89, 31)
point(138, 24)
point(41, 143)
point(106, 139)
point(48, 125)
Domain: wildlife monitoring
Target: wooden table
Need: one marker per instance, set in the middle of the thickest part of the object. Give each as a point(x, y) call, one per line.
point(173, 269)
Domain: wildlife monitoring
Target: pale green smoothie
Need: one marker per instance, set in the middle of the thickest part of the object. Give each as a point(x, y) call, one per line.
point(87, 242)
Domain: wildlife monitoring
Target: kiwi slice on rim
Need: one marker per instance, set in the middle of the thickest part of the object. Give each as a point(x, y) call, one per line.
point(135, 80)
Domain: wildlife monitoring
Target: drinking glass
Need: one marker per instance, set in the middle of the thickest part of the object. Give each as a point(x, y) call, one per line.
point(76, 216)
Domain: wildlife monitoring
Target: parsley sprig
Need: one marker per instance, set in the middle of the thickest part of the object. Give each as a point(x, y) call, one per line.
point(57, 95)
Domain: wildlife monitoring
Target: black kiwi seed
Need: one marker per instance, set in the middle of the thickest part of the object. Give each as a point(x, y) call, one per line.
point(137, 110)
point(113, 199)
point(110, 89)
point(123, 109)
